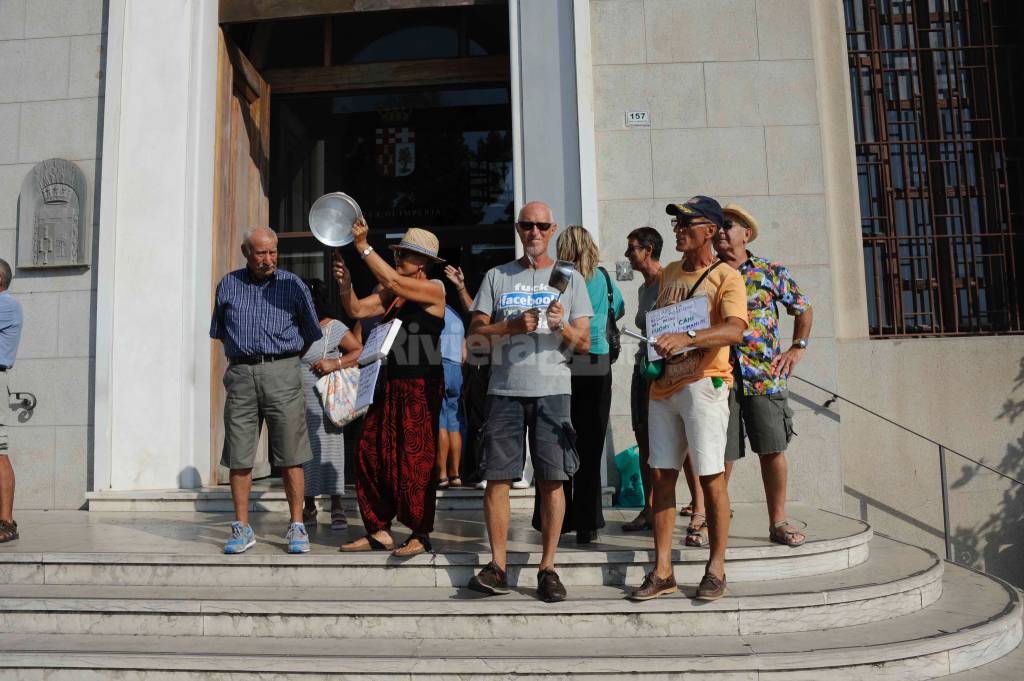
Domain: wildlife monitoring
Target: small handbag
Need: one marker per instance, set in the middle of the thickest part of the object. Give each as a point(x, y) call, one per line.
point(611, 328)
point(337, 391)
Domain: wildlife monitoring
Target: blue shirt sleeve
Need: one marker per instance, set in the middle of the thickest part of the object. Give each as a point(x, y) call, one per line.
point(217, 318)
point(788, 293)
point(305, 314)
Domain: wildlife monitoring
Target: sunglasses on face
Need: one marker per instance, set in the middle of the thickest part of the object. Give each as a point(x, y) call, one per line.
point(687, 224)
point(541, 226)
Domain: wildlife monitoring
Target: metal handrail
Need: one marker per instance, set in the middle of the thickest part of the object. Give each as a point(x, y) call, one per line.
point(942, 457)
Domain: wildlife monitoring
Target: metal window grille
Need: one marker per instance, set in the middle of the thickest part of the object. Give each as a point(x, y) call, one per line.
point(938, 115)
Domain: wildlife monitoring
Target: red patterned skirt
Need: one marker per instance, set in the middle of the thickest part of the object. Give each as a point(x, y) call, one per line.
point(396, 456)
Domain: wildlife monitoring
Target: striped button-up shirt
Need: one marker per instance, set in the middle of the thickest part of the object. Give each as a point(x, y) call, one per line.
point(270, 317)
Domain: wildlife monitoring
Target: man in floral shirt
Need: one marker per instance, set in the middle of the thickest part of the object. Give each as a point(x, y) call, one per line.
point(759, 405)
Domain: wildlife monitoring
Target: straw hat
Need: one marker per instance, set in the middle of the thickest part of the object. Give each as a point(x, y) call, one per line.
point(419, 241)
point(734, 212)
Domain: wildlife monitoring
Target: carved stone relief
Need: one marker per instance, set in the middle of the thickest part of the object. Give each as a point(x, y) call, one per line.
point(53, 220)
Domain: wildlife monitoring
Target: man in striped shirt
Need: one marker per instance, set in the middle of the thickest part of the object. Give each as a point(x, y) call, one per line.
point(265, 319)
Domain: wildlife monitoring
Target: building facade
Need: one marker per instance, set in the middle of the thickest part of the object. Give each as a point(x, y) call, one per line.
point(194, 120)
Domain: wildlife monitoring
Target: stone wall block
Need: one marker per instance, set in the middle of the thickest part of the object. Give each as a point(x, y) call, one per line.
point(12, 19)
point(624, 165)
point(709, 161)
point(794, 160)
point(617, 32)
point(698, 30)
point(792, 228)
point(45, 18)
point(86, 79)
point(784, 29)
point(761, 93)
point(34, 70)
point(8, 241)
point(732, 94)
point(39, 326)
point(11, 177)
point(9, 114)
point(71, 466)
point(75, 324)
point(65, 129)
point(74, 392)
point(32, 454)
point(673, 93)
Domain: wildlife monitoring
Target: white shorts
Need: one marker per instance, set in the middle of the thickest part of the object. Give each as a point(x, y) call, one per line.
point(695, 418)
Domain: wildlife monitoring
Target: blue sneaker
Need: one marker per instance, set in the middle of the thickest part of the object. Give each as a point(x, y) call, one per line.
point(242, 538)
point(298, 539)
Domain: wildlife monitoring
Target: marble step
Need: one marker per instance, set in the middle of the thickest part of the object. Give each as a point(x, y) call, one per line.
point(898, 579)
point(976, 620)
point(272, 499)
point(577, 567)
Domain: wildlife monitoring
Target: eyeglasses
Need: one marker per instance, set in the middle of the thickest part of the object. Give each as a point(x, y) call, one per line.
point(541, 226)
point(727, 225)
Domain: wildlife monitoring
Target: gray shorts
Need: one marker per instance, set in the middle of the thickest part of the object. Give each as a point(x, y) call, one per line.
point(265, 392)
point(766, 420)
point(552, 438)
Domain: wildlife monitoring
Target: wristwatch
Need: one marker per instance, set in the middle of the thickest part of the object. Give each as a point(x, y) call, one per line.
point(800, 343)
point(366, 251)
point(561, 326)
point(692, 334)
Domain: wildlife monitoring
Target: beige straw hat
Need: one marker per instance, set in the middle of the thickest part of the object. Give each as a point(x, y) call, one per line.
point(419, 241)
point(732, 211)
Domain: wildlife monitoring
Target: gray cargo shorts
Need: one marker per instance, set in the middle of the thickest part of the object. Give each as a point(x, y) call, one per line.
point(269, 392)
point(503, 436)
point(766, 420)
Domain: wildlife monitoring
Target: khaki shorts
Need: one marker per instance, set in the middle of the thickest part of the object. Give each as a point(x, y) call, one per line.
point(765, 420)
point(265, 392)
point(696, 418)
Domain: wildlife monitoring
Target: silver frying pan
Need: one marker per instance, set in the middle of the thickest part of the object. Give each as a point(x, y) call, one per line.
point(561, 275)
point(331, 218)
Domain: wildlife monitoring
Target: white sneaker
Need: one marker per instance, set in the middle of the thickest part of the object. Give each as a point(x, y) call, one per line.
point(481, 485)
point(521, 484)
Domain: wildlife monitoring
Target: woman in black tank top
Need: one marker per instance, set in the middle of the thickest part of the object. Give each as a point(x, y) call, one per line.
point(397, 451)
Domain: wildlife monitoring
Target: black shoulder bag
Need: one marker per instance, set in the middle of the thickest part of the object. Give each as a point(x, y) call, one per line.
point(611, 329)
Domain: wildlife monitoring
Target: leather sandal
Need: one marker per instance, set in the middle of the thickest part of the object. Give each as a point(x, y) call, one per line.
point(686, 510)
point(8, 531)
point(696, 533)
point(637, 524)
point(455, 482)
point(784, 533)
point(443, 483)
point(367, 543)
point(408, 550)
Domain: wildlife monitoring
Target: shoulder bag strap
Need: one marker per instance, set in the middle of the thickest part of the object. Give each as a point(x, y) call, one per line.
point(608, 285)
point(702, 278)
point(327, 338)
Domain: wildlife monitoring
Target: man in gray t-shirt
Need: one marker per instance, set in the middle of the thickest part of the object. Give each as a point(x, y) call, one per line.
point(532, 331)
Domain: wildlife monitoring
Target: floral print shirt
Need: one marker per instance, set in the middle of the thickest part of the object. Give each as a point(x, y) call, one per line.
point(768, 285)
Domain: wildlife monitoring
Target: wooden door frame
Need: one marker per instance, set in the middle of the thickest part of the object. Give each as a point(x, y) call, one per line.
point(252, 87)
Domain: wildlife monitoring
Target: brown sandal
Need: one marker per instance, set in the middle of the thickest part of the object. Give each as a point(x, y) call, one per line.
point(408, 550)
point(637, 524)
point(686, 510)
point(784, 533)
point(696, 533)
point(367, 543)
point(8, 531)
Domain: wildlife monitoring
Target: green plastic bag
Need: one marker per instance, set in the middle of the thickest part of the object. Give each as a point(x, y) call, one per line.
point(631, 483)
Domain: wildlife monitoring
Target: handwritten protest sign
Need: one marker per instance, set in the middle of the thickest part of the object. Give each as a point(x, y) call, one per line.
point(677, 318)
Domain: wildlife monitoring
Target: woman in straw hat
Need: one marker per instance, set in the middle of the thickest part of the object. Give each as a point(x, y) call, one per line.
point(397, 451)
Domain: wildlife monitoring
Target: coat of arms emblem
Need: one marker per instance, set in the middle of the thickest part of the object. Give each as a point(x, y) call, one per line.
point(51, 232)
point(395, 152)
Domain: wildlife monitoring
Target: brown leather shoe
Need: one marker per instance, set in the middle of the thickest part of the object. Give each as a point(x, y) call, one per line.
point(549, 587)
point(711, 588)
point(654, 586)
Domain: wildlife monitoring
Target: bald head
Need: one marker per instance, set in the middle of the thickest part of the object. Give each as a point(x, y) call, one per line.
point(259, 246)
point(535, 227)
point(536, 211)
